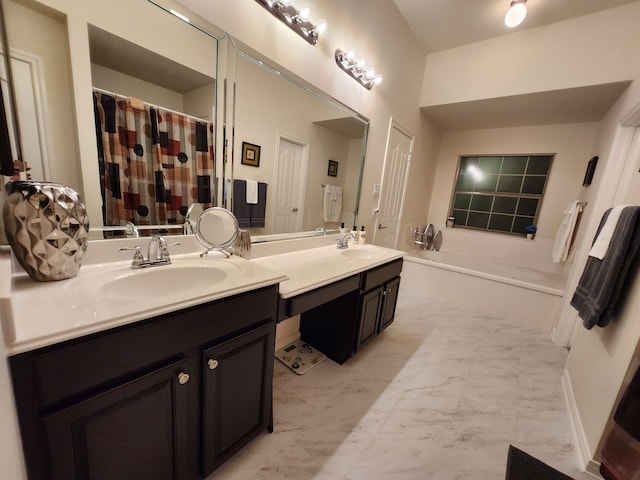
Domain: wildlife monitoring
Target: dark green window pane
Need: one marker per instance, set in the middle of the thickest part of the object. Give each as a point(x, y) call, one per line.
point(487, 183)
point(478, 220)
point(514, 165)
point(510, 184)
point(490, 164)
point(533, 185)
point(462, 201)
point(505, 205)
point(481, 203)
point(520, 223)
point(466, 161)
point(527, 206)
point(465, 182)
point(501, 223)
point(539, 165)
point(460, 216)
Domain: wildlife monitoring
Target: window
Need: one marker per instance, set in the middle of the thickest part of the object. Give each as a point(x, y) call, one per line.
point(500, 193)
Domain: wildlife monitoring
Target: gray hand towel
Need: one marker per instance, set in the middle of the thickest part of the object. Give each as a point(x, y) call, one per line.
point(602, 281)
point(258, 210)
point(241, 209)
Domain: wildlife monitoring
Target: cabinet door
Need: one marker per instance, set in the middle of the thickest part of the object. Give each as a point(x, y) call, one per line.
point(369, 311)
point(133, 431)
point(237, 394)
point(388, 309)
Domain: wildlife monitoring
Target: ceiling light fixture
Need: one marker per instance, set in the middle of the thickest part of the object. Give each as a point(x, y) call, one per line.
point(297, 20)
point(516, 13)
point(357, 69)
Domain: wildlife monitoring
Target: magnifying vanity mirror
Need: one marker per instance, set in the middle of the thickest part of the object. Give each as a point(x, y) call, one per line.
point(216, 229)
point(290, 145)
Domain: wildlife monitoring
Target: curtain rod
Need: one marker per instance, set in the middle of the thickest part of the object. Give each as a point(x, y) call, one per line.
point(102, 90)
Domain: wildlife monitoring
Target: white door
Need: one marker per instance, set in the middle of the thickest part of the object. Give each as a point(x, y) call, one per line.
point(394, 184)
point(291, 173)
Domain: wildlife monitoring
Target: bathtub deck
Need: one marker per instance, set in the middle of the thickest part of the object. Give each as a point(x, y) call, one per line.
point(533, 298)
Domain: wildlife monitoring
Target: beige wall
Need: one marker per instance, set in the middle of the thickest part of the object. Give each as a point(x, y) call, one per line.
point(588, 50)
point(571, 144)
point(599, 357)
point(395, 54)
point(43, 34)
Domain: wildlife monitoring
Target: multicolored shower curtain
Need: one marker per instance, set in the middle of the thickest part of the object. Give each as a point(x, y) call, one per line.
point(153, 163)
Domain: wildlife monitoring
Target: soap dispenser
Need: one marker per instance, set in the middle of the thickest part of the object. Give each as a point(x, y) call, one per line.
point(354, 235)
point(362, 236)
point(343, 230)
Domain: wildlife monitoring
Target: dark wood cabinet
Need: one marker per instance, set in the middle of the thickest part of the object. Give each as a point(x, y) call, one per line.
point(132, 431)
point(377, 301)
point(237, 393)
point(359, 308)
point(171, 397)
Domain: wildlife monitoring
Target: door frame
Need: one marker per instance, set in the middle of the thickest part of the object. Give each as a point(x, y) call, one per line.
point(393, 124)
point(303, 173)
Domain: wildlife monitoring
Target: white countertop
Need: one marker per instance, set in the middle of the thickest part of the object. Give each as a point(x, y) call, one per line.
point(312, 268)
point(43, 313)
point(36, 314)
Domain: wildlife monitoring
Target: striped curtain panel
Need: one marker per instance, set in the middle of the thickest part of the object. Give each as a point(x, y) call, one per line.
point(153, 163)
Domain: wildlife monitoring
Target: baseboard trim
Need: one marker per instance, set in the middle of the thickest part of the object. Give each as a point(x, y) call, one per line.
point(582, 446)
point(286, 341)
point(593, 470)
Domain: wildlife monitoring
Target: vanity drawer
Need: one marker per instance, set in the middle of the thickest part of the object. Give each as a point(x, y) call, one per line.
point(377, 276)
point(307, 301)
point(85, 365)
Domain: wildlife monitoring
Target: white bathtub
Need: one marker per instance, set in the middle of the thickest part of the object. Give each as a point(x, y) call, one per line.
point(495, 288)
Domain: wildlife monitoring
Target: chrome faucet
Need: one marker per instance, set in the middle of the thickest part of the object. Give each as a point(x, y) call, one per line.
point(343, 242)
point(157, 253)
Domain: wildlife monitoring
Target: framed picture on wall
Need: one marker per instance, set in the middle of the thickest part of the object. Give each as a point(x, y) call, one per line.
point(250, 154)
point(333, 168)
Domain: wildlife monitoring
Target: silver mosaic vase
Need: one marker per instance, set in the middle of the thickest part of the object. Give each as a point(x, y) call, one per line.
point(47, 227)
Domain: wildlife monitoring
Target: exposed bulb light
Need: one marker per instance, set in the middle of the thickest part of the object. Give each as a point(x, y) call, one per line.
point(357, 69)
point(297, 19)
point(516, 13)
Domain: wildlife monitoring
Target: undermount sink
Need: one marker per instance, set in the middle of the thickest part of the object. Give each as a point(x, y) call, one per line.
point(163, 280)
point(360, 253)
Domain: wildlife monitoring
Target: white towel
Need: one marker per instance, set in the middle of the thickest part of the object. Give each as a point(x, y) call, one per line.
point(562, 243)
point(331, 203)
point(601, 245)
point(252, 192)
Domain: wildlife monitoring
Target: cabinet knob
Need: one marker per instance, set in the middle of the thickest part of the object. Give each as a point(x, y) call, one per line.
point(183, 378)
point(213, 364)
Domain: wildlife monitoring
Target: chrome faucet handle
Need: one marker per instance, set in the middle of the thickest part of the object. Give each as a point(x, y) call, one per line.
point(137, 256)
point(164, 249)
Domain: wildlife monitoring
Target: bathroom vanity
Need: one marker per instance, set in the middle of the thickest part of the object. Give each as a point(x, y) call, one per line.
point(144, 374)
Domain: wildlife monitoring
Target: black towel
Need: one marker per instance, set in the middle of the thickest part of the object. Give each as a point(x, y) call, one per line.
point(602, 281)
point(241, 209)
point(259, 209)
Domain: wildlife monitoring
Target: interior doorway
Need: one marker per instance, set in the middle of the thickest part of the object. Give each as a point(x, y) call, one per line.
point(291, 177)
point(394, 185)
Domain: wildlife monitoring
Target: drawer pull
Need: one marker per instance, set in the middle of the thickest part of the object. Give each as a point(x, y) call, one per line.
point(213, 364)
point(183, 378)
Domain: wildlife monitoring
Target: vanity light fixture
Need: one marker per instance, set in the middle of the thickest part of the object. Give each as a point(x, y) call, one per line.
point(516, 13)
point(357, 69)
point(297, 20)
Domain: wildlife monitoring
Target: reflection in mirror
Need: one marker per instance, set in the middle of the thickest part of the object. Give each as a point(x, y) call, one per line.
point(311, 151)
point(216, 229)
point(155, 132)
point(146, 54)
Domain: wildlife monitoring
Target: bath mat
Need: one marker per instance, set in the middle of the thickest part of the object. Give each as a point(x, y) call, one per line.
point(522, 466)
point(300, 357)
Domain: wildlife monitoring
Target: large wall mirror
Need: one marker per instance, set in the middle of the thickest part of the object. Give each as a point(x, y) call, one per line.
point(310, 147)
point(287, 142)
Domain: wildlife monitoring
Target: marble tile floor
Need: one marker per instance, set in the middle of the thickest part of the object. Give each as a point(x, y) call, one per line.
point(439, 395)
